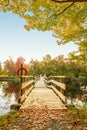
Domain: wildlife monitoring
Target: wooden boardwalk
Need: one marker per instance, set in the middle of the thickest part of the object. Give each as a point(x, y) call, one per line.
point(41, 97)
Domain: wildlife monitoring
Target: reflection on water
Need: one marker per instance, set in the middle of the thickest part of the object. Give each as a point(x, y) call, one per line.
point(78, 103)
point(5, 101)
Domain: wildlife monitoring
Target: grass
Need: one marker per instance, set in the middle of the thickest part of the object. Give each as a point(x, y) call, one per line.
point(5, 119)
point(78, 115)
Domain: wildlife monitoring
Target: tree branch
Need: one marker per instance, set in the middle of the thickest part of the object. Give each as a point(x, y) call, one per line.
point(63, 10)
point(65, 1)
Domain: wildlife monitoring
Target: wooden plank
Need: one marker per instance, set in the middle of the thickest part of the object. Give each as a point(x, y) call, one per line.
point(61, 85)
point(26, 76)
point(59, 76)
point(24, 96)
point(59, 94)
point(3, 76)
point(27, 84)
point(46, 81)
point(28, 91)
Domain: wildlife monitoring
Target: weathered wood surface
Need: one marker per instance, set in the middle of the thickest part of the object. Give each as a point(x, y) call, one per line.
point(62, 97)
point(41, 96)
point(26, 89)
point(61, 85)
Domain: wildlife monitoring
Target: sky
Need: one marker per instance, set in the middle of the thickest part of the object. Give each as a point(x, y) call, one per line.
point(15, 41)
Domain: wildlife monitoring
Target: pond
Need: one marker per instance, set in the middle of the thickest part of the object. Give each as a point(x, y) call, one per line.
point(5, 101)
point(76, 102)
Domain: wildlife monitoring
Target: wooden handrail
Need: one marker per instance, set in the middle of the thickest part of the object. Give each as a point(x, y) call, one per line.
point(59, 76)
point(60, 92)
point(25, 84)
point(61, 85)
point(60, 95)
point(58, 84)
point(26, 76)
point(26, 88)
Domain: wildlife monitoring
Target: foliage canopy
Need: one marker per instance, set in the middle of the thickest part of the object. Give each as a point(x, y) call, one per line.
point(67, 18)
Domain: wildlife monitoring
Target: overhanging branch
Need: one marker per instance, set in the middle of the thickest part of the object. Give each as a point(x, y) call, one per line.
point(63, 10)
point(66, 8)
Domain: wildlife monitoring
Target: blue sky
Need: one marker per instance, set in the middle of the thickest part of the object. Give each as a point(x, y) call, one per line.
point(15, 41)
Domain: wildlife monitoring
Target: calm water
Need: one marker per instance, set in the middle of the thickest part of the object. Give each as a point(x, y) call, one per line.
point(5, 101)
point(76, 102)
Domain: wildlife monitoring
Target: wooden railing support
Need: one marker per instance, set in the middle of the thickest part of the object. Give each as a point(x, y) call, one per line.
point(26, 88)
point(60, 84)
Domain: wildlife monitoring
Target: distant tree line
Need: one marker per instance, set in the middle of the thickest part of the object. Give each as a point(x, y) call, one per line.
point(70, 66)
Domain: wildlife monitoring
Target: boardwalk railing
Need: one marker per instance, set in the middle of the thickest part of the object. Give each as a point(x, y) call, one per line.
point(26, 87)
point(57, 86)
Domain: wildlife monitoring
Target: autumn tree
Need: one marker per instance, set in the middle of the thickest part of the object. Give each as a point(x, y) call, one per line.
point(47, 65)
point(82, 58)
point(20, 60)
point(78, 61)
point(35, 67)
point(9, 66)
point(57, 66)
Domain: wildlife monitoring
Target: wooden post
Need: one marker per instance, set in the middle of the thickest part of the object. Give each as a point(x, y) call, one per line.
point(61, 80)
point(21, 72)
point(61, 90)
